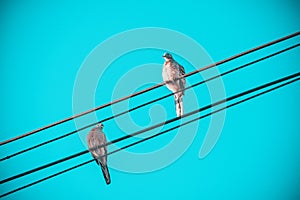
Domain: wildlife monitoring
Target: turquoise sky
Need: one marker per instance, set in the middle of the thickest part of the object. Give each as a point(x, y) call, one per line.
point(44, 45)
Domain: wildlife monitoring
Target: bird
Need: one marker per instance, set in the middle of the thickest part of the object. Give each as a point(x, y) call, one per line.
point(172, 73)
point(96, 137)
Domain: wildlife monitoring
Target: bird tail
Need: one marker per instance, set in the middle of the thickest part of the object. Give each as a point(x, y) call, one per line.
point(105, 174)
point(179, 105)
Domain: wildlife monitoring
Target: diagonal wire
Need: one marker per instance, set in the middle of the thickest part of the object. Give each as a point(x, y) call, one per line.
point(150, 88)
point(149, 128)
point(147, 103)
point(148, 138)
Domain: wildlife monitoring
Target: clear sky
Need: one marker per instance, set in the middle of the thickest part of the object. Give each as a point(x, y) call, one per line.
point(46, 45)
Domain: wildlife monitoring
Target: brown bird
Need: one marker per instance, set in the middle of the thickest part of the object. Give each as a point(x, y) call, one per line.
point(95, 138)
point(171, 72)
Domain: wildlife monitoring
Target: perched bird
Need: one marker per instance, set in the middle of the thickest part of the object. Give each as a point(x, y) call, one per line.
point(96, 138)
point(171, 73)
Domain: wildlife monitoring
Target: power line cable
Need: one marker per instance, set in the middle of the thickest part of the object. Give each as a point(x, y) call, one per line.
point(149, 89)
point(148, 138)
point(147, 103)
point(150, 128)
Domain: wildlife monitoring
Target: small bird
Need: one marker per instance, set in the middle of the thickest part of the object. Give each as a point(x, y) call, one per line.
point(96, 138)
point(171, 73)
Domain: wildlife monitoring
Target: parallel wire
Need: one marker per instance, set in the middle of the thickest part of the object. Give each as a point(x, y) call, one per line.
point(149, 89)
point(150, 128)
point(148, 138)
point(149, 102)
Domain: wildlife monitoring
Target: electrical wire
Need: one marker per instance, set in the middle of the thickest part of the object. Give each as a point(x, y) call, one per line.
point(150, 128)
point(149, 89)
point(150, 137)
point(149, 102)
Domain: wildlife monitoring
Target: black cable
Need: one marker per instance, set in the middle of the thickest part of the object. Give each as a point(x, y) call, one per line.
point(150, 128)
point(150, 88)
point(147, 103)
point(148, 138)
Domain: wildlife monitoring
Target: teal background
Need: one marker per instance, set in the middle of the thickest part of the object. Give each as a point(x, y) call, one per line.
point(43, 44)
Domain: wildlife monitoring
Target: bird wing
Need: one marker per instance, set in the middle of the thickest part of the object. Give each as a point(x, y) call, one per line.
point(182, 81)
point(96, 138)
point(181, 70)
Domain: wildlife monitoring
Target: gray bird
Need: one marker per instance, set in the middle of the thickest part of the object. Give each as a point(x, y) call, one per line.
point(170, 73)
point(96, 138)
